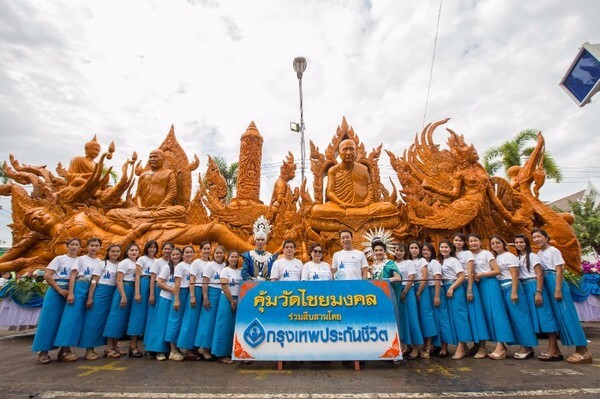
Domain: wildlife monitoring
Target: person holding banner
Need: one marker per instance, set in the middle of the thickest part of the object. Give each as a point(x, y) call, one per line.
point(316, 269)
point(231, 280)
point(349, 263)
point(287, 268)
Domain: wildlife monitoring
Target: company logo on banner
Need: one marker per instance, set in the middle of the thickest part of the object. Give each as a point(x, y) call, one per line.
point(325, 320)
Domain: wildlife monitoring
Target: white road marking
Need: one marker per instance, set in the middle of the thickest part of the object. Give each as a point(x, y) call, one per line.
point(429, 395)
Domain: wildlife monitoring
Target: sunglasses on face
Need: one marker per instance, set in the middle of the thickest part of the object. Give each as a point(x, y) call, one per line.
point(317, 251)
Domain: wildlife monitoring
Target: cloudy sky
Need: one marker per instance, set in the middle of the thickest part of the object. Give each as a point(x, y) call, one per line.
point(127, 70)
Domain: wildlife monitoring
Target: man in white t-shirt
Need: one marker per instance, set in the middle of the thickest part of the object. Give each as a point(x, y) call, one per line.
point(349, 263)
point(287, 268)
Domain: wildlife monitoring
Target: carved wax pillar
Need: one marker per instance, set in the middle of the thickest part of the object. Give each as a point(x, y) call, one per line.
point(248, 184)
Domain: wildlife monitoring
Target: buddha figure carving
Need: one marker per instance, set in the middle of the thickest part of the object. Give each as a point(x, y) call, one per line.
point(349, 189)
point(81, 168)
point(156, 195)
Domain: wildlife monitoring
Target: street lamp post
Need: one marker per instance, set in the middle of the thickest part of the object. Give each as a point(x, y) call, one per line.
point(300, 67)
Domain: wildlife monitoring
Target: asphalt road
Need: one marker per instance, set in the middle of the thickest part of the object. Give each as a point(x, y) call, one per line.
point(22, 377)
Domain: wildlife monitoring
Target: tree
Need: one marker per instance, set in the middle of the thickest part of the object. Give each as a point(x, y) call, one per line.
point(230, 173)
point(511, 152)
point(587, 223)
point(3, 177)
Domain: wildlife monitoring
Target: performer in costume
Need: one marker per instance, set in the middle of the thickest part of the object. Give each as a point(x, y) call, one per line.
point(79, 286)
point(154, 290)
point(571, 333)
point(514, 299)
point(258, 262)
point(116, 324)
point(155, 341)
point(479, 330)
point(181, 293)
point(189, 324)
point(211, 291)
point(425, 306)
point(486, 269)
point(139, 307)
point(316, 269)
point(102, 289)
point(453, 277)
point(231, 280)
point(440, 306)
point(408, 312)
point(57, 277)
point(531, 277)
point(287, 268)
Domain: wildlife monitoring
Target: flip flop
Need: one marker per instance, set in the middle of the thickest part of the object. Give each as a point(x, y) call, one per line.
point(546, 357)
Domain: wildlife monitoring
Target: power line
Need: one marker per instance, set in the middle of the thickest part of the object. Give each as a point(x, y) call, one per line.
point(432, 62)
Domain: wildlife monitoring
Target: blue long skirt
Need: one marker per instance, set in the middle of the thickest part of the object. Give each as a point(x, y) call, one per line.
point(155, 340)
point(569, 326)
point(49, 320)
point(116, 323)
point(72, 318)
point(426, 320)
point(206, 324)
point(541, 316)
point(189, 324)
point(150, 312)
point(408, 317)
point(442, 319)
point(94, 319)
point(458, 314)
point(139, 310)
point(479, 330)
point(494, 310)
point(222, 343)
point(176, 316)
point(518, 315)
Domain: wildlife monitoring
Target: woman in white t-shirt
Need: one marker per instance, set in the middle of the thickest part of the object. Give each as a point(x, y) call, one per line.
point(514, 300)
point(486, 269)
point(116, 324)
point(79, 286)
point(57, 277)
point(453, 276)
point(316, 269)
point(571, 332)
point(154, 290)
point(181, 293)
point(211, 293)
point(102, 289)
point(426, 320)
point(479, 330)
point(231, 280)
point(531, 277)
point(440, 312)
point(155, 341)
point(189, 324)
point(141, 292)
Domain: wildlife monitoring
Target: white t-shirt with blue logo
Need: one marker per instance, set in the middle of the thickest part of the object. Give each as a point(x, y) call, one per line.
point(312, 271)
point(107, 272)
point(348, 264)
point(234, 276)
point(85, 266)
point(146, 263)
point(286, 270)
point(61, 266)
point(213, 272)
point(182, 270)
point(165, 274)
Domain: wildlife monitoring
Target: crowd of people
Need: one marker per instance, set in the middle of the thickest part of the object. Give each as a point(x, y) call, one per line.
point(182, 305)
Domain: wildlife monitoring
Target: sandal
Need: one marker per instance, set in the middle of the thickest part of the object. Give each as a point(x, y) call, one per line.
point(578, 358)
point(546, 357)
point(135, 352)
point(424, 354)
point(120, 351)
point(112, 354)
point(226, 360)
point(481, 354)
point(208, 358)
point(92, 356)
point(44, 358)
point(66, 356)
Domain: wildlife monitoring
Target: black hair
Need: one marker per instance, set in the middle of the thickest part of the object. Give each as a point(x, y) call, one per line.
point(431, 249)
point(150, 244)
point(346, 231)
point(420, 255)
point(501, 239)
point(452, 249)
point(111, 246)
point(528, 250)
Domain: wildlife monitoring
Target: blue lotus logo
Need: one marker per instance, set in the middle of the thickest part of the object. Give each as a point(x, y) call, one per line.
point(254, 334)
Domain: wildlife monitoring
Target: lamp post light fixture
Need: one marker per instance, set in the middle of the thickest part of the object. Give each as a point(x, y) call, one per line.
point(300, 67)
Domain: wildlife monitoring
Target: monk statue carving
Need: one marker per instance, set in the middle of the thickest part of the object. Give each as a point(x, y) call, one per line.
point(156, 196)
point(81, 168)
